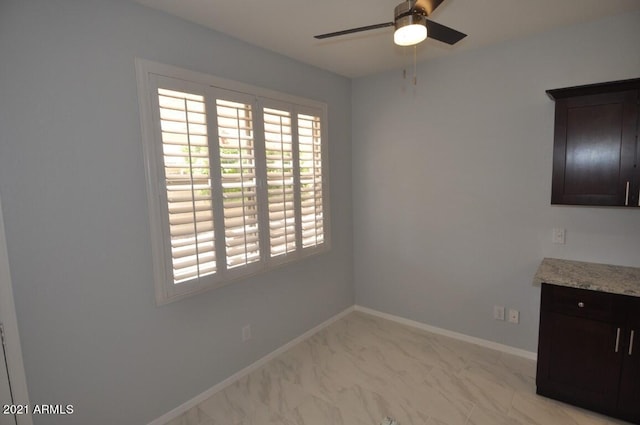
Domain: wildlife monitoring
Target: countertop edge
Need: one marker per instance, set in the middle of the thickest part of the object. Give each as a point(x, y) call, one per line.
point(621, 280)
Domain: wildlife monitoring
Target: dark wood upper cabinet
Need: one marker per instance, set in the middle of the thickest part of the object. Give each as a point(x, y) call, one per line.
point(596, 155)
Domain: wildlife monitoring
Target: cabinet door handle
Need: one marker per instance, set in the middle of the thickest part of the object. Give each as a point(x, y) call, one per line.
point(626, 198)
point(617, 339)
point(631, 342)
point(581, 304)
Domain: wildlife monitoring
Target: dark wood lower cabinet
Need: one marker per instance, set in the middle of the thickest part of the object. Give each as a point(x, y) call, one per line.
point(629, 400)
point(581, 365)
point(586, 354)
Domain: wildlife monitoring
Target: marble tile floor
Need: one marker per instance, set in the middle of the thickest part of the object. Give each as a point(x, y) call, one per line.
point(363, 368)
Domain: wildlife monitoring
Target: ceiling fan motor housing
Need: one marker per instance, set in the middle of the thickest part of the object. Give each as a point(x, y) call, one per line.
point(406, 13)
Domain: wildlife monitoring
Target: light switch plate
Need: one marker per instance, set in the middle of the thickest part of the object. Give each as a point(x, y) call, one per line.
point(558, 236)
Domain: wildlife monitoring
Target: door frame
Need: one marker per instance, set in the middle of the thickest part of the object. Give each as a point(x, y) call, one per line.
point(12, 338)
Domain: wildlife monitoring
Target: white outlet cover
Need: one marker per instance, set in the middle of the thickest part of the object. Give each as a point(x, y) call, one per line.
point(246, 332)
point(514, 316)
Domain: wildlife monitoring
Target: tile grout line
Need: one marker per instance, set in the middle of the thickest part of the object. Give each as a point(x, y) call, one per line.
point(202, 413)
point(511, 404)
point(470, 413)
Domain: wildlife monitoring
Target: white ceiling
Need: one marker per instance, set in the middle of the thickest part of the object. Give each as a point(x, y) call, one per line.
point(288, 26)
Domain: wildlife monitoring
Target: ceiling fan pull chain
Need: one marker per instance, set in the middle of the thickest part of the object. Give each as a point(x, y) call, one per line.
point(415, 66)
point(404, 60)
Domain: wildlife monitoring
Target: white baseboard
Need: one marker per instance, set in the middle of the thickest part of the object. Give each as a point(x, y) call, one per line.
point(456, 335)
point(162, 420)
point(184, 407)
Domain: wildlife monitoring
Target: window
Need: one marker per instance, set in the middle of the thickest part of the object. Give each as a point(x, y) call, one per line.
point(236, 178)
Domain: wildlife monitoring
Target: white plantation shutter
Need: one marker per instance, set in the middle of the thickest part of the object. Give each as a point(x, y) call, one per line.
point(280, 181)
point(239, 182)
point(311, 194)
point(235, 178)
point(188, 183)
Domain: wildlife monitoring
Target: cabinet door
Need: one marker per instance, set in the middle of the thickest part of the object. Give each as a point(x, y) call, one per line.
point(595, 149)
point(578, 362)
point(629, 400)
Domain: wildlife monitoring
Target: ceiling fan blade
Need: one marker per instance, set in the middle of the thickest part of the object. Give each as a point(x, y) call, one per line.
point(443, 33)
point(352, 30)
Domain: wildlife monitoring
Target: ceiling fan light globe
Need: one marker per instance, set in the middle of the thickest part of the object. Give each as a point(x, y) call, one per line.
point(410, 29)
point(410, 35)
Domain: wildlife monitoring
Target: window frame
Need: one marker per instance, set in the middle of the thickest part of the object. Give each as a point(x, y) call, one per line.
point(148, 75)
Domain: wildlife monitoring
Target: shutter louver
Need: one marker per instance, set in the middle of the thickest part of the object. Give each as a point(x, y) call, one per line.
point(280, 181)
point(310, 162)
point(238, 177)
point(188, 184)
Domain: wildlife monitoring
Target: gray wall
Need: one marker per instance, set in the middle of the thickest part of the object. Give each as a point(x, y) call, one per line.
point(452, 180)
point(74, 198)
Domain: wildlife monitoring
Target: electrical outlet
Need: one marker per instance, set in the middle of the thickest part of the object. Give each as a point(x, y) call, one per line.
point(498, 312)
point(514, 316)
point(246, 333)
point(558, 236)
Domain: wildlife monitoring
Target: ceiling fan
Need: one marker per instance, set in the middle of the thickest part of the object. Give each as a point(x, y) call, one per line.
point(412, 25)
